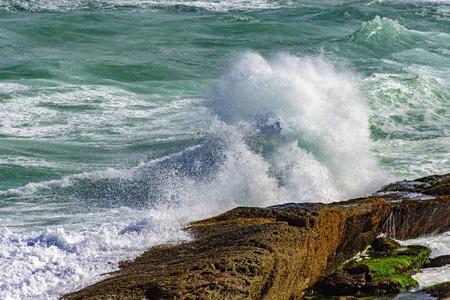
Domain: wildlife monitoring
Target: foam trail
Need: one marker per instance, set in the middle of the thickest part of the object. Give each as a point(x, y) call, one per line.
point(41, 266)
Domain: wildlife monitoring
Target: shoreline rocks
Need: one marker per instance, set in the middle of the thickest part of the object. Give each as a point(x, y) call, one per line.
point(385, 269)
point(278, 252)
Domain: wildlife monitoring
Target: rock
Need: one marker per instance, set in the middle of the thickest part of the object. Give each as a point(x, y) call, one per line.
point(441, 290)
point(346, 282)
point(321, 297)
point(384, 244)
point(434, 185)
point(381, 287)
point(398, 265)
point(446, 296)
point(270, 253)
point(437, 262)
point(439, 186)
point(382, 274)
point(249, 253)
point(412, 218)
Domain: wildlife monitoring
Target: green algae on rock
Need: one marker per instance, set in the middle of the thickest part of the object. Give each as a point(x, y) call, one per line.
point(386, 269)
point(398, 265)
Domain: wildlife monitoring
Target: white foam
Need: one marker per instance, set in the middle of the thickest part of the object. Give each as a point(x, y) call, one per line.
point(322, 116)
point(439, 245)
point(241, 178)
point(409, 120)
point(49, 112)
point(214, 6)
point(40, 266)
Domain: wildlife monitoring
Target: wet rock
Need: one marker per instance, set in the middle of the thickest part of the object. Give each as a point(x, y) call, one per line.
point(441, 290)
point(384, 244)
point(382, 274)
point(249, 253)
point(381, 287)
point(437, 262)
point(346, 282)
point(412, 218)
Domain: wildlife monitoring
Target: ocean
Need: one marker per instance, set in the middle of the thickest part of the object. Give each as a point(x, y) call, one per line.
point(123, 120)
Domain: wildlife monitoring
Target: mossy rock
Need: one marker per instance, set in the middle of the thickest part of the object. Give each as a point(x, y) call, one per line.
point(440, 290)
point(384, 244)
point(398, 265)
point(437, 262)
point(404, 280)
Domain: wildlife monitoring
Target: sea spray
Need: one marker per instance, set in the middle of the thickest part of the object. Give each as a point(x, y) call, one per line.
point(288, 129)
point(106, 148)
point(323, 139)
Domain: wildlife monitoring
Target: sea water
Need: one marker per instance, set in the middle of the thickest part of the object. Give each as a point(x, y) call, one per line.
point(123, 120)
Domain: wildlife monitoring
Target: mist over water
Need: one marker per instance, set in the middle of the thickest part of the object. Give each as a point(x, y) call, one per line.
point(122, 121)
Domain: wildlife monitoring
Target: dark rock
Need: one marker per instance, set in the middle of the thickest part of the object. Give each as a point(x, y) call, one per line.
point(437, 262)
point(356, 281)
point(446, 296)
point(412, 218)
point(418, 205)
point(321, 297)
point(384, 244)
point(381, 287)
point(345, 282)
point(441, 290)
point(440, 187)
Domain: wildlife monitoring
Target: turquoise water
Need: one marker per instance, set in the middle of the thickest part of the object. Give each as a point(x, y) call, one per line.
point(120, 121)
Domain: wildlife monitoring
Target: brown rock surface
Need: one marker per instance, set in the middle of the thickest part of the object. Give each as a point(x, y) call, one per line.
point(272, 253)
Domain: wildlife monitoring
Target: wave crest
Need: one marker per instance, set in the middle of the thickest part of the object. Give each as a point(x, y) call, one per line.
point(382, 35)
point(323, 140)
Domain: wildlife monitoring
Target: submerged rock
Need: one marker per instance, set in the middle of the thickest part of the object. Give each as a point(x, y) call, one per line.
point(271, 253)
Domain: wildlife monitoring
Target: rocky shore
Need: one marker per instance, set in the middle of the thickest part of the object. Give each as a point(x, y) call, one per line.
point(279, 252)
